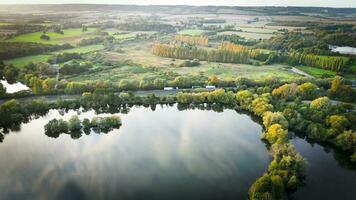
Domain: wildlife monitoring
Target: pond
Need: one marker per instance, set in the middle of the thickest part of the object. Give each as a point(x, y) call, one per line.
point(162, 154)
point(329, 175)
point(343, 50)
point(12, 88)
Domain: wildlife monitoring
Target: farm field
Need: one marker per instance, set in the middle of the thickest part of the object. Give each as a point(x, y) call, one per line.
point(317, 72)
point(175, 102)
point(248, 35)
point(192, 32)
point(5, 23)
point(22, 61)
point(71, 36)
point(84, 49)
point(137, 73)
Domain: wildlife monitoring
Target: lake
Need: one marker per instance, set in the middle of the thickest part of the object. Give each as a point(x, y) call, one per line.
point(343, 50)
point(162, 154)
point(12, 88)
point(330, 174)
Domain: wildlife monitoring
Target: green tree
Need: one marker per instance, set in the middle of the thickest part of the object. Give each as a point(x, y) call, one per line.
point(245, 98)
point(286, 91)
point(338, 122)
point(276, 134)
point(55, 127)
point(308, 90)
point(2, 90)
point(10, 73)
point(36, 85)
point(261, 105)
point(346, 140)
point(125, 85)
point(270, 118)
point(49, 84)
point(322, 103)
point(74, 124)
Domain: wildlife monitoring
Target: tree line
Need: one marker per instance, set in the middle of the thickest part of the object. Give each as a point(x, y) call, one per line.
point(318, 119)
point(74, 126)
point(194, 40)
point(10, 50)
point(189, 52)
point(334, 63)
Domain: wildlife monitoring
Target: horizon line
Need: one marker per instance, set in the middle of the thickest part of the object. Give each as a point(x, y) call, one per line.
point(108, 4)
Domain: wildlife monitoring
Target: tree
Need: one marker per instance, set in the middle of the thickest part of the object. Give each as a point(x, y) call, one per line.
point(84, 28)
point(45, 37)
point(125, 85)
point(36, 85)
point(213, 80)
point(261, 189)
point(245, 98)
point(317, 131)
point(307, 90)
point(338, 122)
point(2, 90)
point(105, 124)
point(194, 40)
point(260, 105)
point(2, 66)
point(146, 85)
point(276, 134)
point(336, 84)
point(341, 91)
point(74, 124)
point(270, 118)
point(75, 87)
point(10, 73)
point(321, 103)
point(159, 83)
point(124, 96)
point(286, 91)
point(347, 140)
point(49, 84)
point(55, 127)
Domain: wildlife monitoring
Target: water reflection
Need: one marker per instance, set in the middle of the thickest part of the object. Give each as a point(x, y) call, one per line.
point(343, 50)
point(330, 174)
point(162, 154)
point(15, 87)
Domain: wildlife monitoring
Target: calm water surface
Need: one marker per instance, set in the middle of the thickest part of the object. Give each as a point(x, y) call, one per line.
point(162, 154)
point(330, 174)
point(12, 88)
point(344, 50)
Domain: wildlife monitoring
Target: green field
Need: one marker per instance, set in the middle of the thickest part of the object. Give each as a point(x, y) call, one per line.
point(20, 62)
point(193, 32)
point(124, 36)
point(248, 35)
point(353, 68)
point(5, 23)
point(258, 30)
point(71, 36)
point(84, 49)
point(316, 72)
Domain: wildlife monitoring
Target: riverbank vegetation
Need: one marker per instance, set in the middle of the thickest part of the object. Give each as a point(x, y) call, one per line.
point(74, 126)
point(247, 63)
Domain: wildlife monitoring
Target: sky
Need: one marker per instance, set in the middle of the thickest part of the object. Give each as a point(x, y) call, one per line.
point(321, 3)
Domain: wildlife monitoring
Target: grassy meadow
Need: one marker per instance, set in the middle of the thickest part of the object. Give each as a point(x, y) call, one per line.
point(316, 72)
point(22, 61)
point(71, 36)
point(192, 32)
